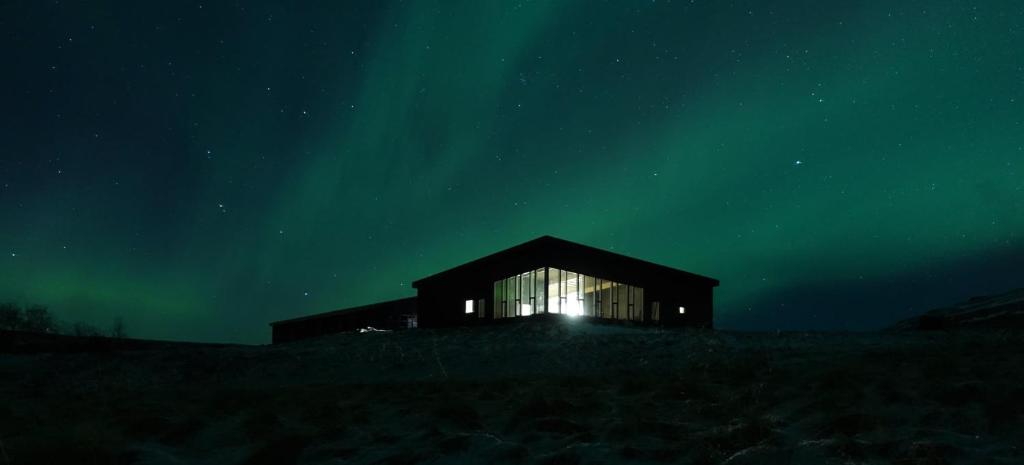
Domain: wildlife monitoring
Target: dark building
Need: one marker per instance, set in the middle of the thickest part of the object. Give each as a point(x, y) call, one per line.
point(544, 276)
point(391, 314)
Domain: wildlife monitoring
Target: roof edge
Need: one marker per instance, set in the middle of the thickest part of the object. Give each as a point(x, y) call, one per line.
point(415, 284)
point(341, 311)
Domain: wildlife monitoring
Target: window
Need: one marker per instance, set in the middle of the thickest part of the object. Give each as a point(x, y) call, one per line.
point(469, 306)
point(552, 290)
point(682, 310)
point(573, 297)
point(588, 288)
point(518, 295)
point(604, 298)
point(576, 294)
point(499, 298)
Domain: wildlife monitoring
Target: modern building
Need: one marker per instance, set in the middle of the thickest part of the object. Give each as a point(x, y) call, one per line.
point(545, 276)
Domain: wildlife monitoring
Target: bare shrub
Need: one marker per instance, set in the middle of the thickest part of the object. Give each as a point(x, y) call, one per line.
point(39, 320)
point(80, 329)
point(117, 329)
point(11, 317)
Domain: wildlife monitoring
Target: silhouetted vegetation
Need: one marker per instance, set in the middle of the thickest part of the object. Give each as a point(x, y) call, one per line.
point(117, 330)
point(37, 319)
point(11, 317)
point(34, 319)
point(84, 330)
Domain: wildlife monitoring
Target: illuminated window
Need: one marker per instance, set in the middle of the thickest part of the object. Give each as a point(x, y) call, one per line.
point(682, 310)
point(552, 290)
point(469, 306)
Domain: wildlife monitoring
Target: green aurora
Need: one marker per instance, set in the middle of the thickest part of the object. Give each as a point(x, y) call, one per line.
point(204, 169)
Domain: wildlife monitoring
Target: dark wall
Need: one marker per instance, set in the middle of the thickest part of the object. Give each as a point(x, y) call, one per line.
point(697, 300)
point(392, 314)
point(444, 304)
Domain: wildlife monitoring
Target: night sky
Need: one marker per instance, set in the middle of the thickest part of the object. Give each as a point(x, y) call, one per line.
point(202, 169)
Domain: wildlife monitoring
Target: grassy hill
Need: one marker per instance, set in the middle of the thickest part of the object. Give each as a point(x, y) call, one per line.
point(527, 393)
point(25, 342)
point(1001, 311)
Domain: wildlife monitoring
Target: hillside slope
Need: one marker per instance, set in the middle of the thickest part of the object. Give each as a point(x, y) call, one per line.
point(525, 393)
point(1003, 311)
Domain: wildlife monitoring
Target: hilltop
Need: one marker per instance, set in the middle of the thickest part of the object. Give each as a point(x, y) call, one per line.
point(1002, 311)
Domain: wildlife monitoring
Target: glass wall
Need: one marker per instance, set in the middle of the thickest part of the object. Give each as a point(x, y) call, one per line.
point(519, 295)
point(568, 293)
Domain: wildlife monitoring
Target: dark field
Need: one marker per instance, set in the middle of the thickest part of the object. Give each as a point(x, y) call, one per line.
point(555, 392)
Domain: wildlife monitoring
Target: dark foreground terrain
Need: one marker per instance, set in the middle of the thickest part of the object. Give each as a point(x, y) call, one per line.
point(559, 393)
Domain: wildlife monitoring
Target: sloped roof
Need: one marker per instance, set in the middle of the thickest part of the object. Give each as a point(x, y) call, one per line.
point(551, 243)
point(351, 310)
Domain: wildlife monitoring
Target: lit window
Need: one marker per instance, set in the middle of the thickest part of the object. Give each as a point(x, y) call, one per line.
point(682, 310)
point(469, 306)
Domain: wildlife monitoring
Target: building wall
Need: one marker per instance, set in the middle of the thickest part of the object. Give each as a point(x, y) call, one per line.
point(443, 303)
point(392, 314)
point(441, 298)
point(696, 300)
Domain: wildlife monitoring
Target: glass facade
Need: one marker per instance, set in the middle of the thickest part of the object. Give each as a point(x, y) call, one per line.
point(553, 290)
point(519, 295)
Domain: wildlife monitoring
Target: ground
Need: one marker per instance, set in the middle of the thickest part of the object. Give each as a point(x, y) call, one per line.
point(527, 393)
